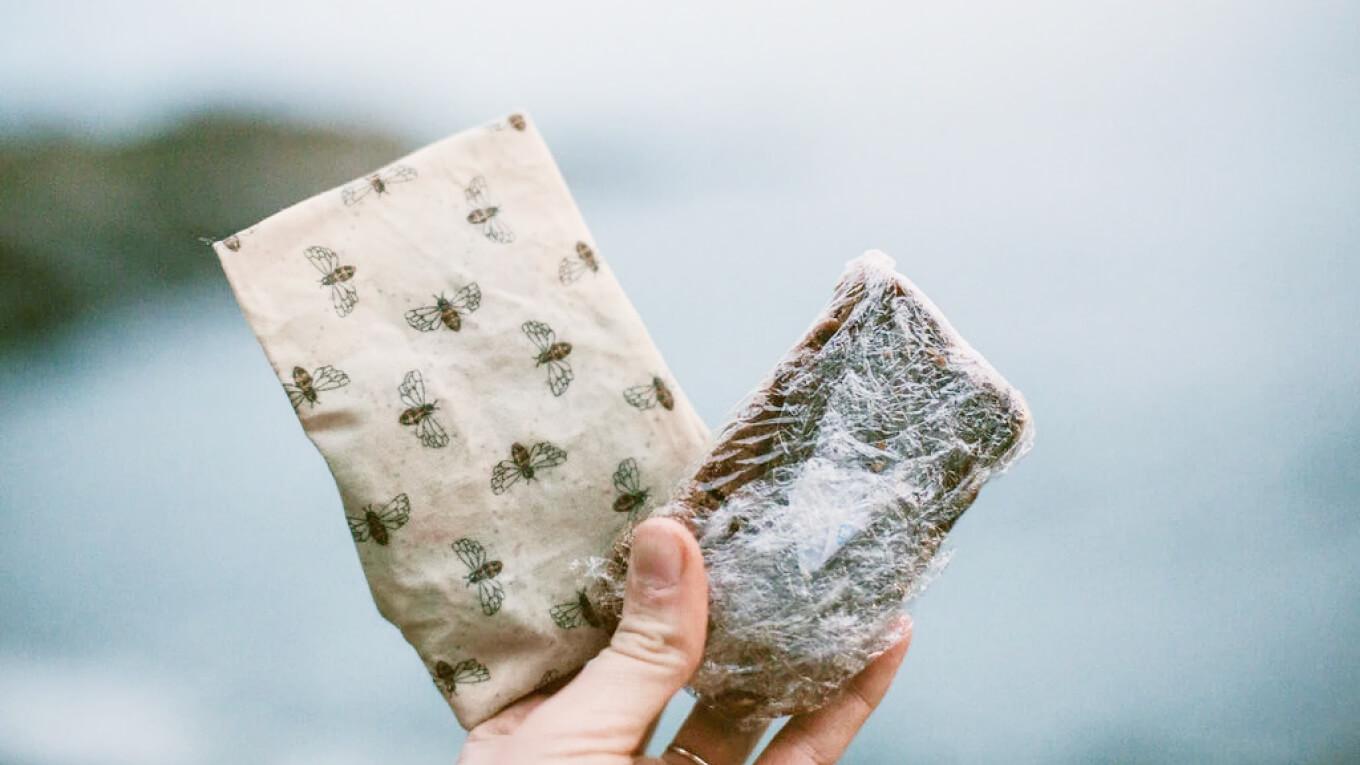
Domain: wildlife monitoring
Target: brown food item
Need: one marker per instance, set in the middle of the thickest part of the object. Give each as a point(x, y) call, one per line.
point(821, 506)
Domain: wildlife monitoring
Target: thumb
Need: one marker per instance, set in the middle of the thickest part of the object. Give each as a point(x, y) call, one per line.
point(609, 706)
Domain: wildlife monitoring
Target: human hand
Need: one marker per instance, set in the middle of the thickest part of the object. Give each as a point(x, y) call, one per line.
point(607, 712)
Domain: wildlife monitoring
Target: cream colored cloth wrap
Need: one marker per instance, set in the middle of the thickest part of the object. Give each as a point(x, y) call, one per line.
point(485, 395)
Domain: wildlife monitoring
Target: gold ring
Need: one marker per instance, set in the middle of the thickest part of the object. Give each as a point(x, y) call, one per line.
point(687, 754)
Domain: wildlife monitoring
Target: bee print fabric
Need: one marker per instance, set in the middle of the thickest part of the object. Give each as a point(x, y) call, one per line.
point(493, 411)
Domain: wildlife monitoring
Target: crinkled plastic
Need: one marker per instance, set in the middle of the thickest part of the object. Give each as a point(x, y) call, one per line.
point(823, 504)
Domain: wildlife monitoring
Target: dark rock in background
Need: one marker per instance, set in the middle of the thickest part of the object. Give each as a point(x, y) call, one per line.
point(85, 225)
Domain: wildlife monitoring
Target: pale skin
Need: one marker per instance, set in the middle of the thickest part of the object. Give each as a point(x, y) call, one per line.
point(605, 715)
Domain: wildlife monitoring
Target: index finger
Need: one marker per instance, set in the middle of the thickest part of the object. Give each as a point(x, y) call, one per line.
point(822, 736)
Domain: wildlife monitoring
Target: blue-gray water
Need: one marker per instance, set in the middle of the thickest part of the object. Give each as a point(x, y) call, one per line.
point(1144, 214)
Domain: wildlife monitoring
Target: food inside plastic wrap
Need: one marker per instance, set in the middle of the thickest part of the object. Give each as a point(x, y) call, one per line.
point(822, 505)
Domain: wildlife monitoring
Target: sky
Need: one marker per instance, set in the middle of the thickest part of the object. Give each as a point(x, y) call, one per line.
point(1142, 213)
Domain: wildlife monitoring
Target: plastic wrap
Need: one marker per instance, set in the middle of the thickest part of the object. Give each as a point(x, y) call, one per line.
point(822, 506)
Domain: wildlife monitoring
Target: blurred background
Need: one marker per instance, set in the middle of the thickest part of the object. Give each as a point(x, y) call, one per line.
point(1144, 213)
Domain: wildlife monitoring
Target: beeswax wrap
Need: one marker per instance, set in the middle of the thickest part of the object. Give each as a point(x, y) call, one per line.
point(486, 397)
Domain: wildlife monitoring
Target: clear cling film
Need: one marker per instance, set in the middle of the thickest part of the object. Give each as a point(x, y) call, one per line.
point(822, 505)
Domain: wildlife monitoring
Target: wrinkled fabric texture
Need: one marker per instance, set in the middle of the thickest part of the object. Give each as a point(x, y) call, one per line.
point(488, 400)
point(822, 505)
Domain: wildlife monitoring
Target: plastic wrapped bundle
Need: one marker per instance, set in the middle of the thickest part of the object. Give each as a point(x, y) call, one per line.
point(822, 505)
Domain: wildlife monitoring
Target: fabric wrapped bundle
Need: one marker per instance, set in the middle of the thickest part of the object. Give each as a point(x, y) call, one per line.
point(495, 416)
point(487, 399)
point(822, 505)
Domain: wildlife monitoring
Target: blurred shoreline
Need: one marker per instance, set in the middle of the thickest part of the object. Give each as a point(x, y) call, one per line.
point(86, 226)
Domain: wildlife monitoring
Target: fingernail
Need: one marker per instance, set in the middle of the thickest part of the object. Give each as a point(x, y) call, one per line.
point(657, 557)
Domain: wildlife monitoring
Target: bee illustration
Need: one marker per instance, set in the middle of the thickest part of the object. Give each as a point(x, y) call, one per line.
point(571, 268)
point(550, 352)
point(335, 276)
point(376, 183)
point(448, 677)
point(486, 214)
point(524, 463)
point(481, 572)
point(419, 413)
point(628, 484)
point(446, 311)
point(549, 677)
point(379, 524)
point(649, 395)
point(573, 614)
point(306, 386)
